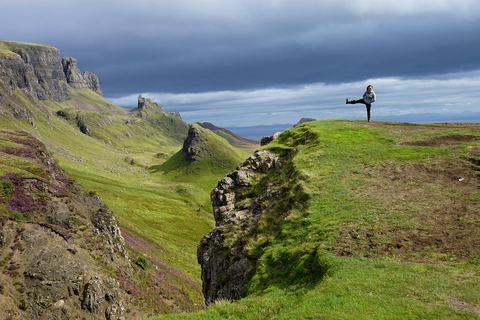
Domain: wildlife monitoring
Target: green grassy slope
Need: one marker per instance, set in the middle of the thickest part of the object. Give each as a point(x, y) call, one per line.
point(235, 140)
point(389, 230)
point(215, 153)
point(6, 46)
point(161, 218)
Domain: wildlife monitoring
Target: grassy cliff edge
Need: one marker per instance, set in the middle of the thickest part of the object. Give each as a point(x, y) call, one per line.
point(391, 219)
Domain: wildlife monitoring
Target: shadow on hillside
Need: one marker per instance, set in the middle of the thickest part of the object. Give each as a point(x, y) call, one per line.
point(176, 162)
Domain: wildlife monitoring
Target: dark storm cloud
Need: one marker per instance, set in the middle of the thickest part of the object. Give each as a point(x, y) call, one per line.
point(266, 60)
point(410, 50)
point(197, 46)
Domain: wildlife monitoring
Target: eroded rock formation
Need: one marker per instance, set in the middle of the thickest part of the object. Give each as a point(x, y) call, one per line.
point(221, 254)
point(193, 145)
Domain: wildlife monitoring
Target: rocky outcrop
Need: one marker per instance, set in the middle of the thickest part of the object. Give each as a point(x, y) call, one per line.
point(146, 107)
point(193, 146)
point(92, 82)
point(76, 80)
point(58, 243)
point(225, 263)
point(176, 114)
point(39, 71)
point(72, 73)
point(146, 103)
point(266, 140)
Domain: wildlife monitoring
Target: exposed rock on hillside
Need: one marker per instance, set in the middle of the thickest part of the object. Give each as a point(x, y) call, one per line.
point(73, 74)
point(193, 146)
point(39, 71)
point(76, 80)
point(266, 140)
point(225, 263)
point(57, 242)
point(92, 82)
point(36, 69)
point(146, 105)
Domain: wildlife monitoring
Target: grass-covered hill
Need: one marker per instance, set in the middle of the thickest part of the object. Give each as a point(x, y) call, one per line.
point(374, 221)
point(116, 153)
point(201, 156)
point(234, 139)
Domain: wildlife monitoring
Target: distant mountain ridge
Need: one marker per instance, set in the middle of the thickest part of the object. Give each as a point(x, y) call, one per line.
point(214, 128)
point(234, 139)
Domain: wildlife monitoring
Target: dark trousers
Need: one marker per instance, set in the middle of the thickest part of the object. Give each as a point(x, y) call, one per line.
point(368, 105)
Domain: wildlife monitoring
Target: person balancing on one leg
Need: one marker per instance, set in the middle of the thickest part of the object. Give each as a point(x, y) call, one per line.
point(368, 98)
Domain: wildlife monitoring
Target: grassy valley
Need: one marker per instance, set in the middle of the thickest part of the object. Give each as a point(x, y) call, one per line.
point(163, 209)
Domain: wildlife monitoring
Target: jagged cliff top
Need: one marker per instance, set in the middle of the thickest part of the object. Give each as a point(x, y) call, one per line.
point(39, 71)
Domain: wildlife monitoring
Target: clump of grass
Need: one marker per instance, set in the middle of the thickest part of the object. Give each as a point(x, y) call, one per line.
point(142, 261)
point(6, 189)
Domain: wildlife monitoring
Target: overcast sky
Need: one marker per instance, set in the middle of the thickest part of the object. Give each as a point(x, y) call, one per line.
point(254, 62)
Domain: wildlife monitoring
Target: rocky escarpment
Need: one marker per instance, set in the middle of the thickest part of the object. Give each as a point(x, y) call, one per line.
point(39, 71)
point(226, 262)
point(61, 251)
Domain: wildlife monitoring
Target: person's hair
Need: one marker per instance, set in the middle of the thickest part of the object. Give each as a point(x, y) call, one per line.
point(369, 86)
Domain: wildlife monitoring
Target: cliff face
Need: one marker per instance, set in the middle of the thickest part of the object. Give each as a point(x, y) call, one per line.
point(33, 68)
point(39, 71)
point(57, 241)
point(226, 262)
point(92, 82)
